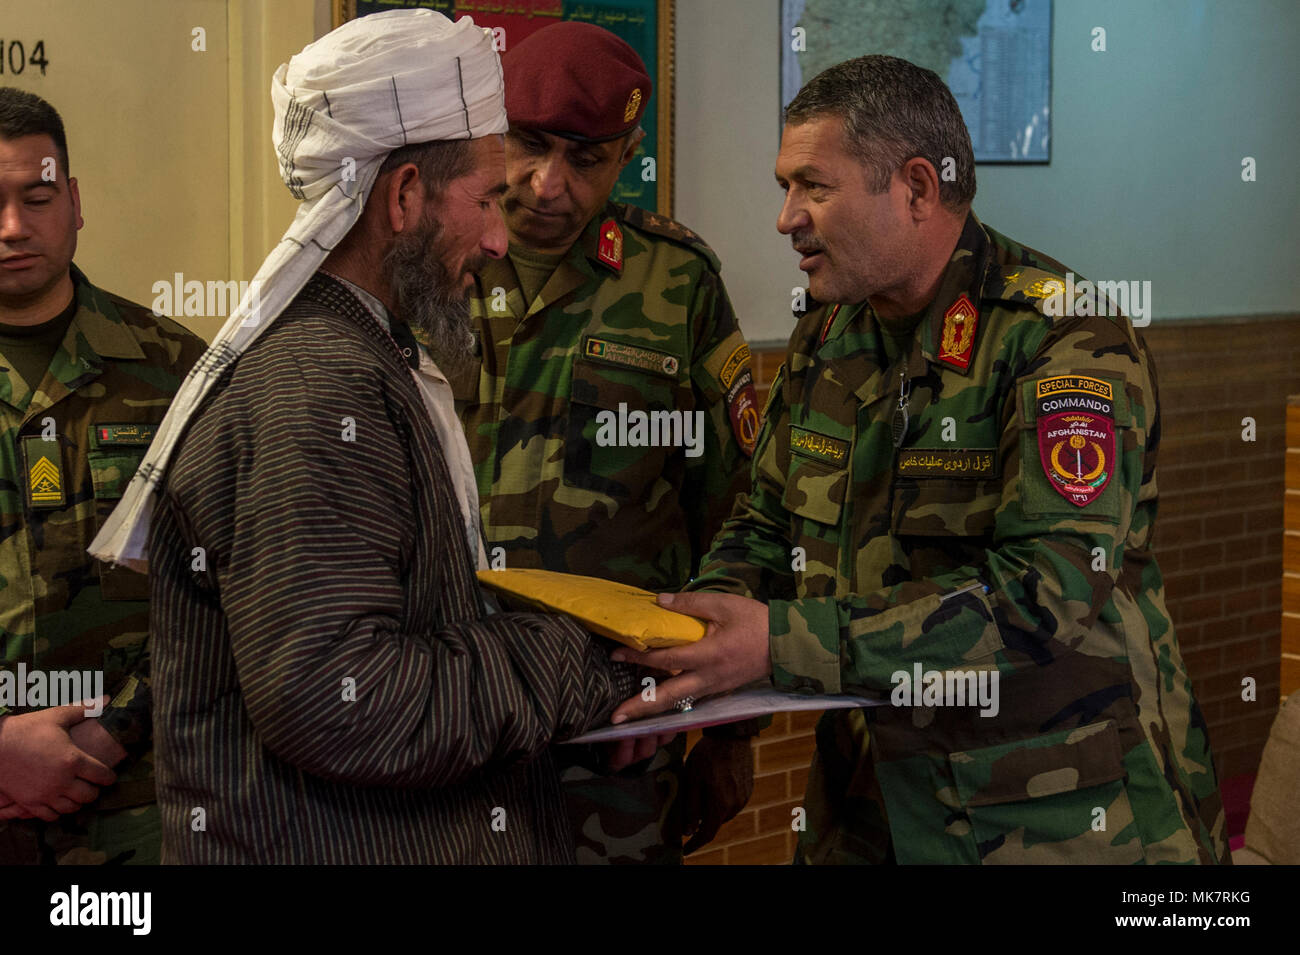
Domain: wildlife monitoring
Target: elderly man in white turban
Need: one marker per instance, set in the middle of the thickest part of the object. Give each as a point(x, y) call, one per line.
point(327, 686)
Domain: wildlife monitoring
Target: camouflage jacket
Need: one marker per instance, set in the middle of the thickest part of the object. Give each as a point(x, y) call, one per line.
point(1010, 534)
point(107, 388)
point(635, 319)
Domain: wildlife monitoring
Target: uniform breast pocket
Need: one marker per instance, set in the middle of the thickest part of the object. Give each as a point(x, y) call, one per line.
point(627, 432)
point(815, 489)
point(935, 507)
point(1058, 798)
point(111, 470)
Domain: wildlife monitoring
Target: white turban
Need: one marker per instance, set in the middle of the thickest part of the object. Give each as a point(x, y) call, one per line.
point(341, 105)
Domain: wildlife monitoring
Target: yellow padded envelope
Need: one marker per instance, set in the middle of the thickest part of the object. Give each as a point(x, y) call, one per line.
point(626, 614)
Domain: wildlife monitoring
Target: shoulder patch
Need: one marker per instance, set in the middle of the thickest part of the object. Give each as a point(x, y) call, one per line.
point(728, 364)
point(1076, 435)
point(667, 228)
point(1025, 285)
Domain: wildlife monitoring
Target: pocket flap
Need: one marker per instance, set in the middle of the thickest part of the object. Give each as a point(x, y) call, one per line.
point(608, 388)
point(111, 471)
point(929, 507)
point(1039, 766)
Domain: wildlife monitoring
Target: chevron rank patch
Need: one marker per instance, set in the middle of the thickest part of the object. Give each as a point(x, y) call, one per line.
point(45, 479)
point(1076, 435)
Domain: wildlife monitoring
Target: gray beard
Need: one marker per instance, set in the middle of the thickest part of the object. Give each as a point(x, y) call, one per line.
point(428, 298)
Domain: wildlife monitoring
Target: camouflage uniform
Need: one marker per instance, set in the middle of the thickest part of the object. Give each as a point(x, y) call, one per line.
point(635, 315)
point(106, 390)
point(1096, 710)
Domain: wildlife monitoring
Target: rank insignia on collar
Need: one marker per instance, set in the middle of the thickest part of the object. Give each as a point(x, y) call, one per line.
point(610, 247)
point(830, 320)
point(959, 324)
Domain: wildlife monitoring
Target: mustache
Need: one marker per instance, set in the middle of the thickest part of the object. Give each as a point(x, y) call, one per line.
point(806, 244)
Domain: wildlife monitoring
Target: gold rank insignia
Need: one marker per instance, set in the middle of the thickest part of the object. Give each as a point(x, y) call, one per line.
point(610, 247)
point(45, 484)
point(633, 104)
point(959, 324)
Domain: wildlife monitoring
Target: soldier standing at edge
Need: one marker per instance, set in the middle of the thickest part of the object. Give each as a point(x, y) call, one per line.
point(974, 484)
point(602, 307)
point(101, 370)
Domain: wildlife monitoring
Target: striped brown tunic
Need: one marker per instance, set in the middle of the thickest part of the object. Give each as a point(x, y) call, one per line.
point(327, 686)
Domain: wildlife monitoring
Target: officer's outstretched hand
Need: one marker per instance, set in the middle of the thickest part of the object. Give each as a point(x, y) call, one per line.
point(732, 653)
point(44, 773)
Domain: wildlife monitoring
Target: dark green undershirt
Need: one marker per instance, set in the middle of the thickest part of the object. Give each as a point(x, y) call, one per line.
point(533, 269)
point(897, 334)
point(28, 349)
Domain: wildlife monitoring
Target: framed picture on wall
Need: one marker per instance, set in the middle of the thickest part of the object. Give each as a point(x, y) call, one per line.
point(647, 25)
point(995, 56)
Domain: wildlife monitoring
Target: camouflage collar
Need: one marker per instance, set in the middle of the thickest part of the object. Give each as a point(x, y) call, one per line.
point(963, 276)
point(95, 334)
point(97, 331)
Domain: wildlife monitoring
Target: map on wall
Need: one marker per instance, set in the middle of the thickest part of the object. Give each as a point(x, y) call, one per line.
point(995, 56)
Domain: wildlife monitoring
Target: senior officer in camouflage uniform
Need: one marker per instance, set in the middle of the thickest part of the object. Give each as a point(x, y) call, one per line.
point(956, 477)
point(604, 307)
point(85, 377)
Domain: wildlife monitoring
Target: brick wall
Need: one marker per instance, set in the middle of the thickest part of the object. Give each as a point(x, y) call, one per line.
point(1219, 541)
point(1291, 553)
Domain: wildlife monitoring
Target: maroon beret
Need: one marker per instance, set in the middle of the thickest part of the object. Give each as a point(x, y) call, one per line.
point(575, 80)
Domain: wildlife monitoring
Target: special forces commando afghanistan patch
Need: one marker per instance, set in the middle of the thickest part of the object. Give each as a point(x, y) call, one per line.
point(1076, 435)
point(742, 405)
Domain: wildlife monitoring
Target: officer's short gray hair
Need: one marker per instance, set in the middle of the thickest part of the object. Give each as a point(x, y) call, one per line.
point(893, 111)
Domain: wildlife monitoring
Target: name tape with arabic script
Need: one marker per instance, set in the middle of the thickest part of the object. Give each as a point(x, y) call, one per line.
point(948, 463)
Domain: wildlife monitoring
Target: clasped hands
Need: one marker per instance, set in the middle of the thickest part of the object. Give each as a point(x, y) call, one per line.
point(54, 761)
point(732, 653)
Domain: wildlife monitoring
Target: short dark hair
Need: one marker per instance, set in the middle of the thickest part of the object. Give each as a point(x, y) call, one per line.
point(26, 114)
point(893, 111)
point(439, 161)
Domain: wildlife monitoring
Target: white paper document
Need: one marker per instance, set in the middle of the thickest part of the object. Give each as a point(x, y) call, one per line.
point(740, 705)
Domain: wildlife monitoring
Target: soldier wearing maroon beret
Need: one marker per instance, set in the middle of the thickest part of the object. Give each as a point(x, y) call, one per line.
point(598, 307)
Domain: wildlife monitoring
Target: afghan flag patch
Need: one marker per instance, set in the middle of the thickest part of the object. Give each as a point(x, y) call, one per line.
point(1076, 435)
